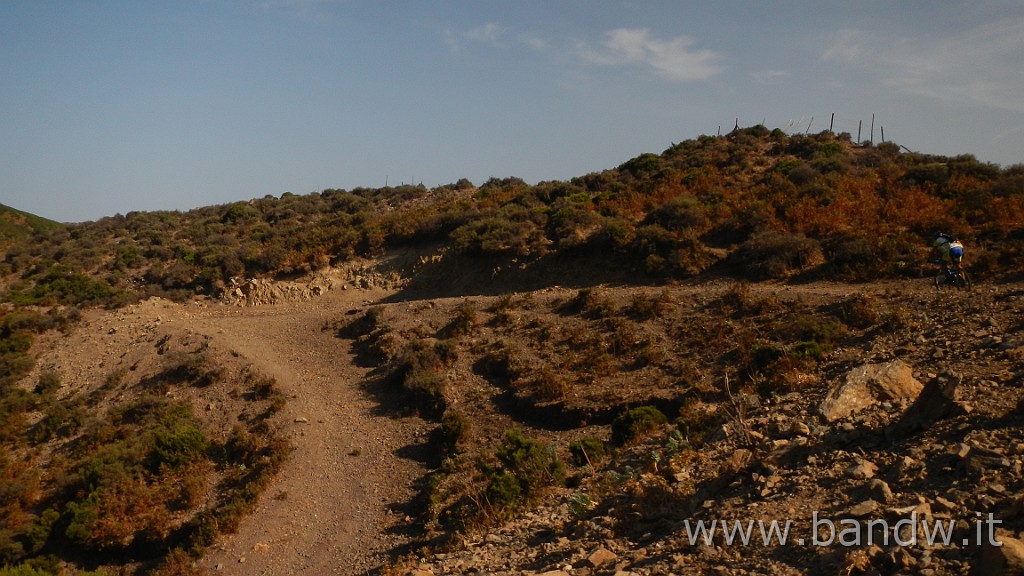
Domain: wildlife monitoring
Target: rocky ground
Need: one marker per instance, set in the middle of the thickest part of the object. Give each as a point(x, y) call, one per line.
point(916, 415)
point(919, 424)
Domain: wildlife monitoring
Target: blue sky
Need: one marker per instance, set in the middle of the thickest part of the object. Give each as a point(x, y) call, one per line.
point(112, 106)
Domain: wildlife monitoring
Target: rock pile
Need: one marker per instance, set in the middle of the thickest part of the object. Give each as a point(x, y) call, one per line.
point(263, 291)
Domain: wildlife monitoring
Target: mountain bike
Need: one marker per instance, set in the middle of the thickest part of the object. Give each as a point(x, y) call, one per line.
point(952, 277)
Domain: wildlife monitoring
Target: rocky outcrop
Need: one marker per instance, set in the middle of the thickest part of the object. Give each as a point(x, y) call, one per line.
point(868, 384)
point(264, 291)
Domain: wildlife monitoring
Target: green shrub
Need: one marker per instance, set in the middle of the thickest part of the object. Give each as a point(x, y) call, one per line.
point(500, 236)
point(61, 418)
point(49, 382)
point(635, 423)
point(587, 451)
point(24, 570)
point(454, 431)
point(503, 490)
point(821, 329)
point(61, 284)
point(810, 349)
point(178, 447)
point(534, 465)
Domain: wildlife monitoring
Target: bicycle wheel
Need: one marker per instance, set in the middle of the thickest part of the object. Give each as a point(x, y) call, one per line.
point(967, 280)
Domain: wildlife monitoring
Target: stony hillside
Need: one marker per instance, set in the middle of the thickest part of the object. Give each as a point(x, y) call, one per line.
point(581, 377)
point(636, 411)
point(923, 422)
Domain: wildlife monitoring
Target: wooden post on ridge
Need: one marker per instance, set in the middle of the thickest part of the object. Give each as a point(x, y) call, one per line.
point(832, 122)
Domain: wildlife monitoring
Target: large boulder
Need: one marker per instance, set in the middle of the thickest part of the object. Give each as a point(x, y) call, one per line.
point(867, 385)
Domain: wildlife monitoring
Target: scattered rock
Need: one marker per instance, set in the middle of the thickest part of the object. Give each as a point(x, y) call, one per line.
point(863, 509)
point(600, 557)
point(880, 490)
point(861, 469)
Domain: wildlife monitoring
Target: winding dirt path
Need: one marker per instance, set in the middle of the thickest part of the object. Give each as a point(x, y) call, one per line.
point(329, 510)
point(332, 508)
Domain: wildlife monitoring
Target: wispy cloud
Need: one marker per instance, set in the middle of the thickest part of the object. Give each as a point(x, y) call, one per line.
point(489, 33)
point(980, 66)
point(534, 42)
point(493, 35)
point(770, 76)
point(674, 58)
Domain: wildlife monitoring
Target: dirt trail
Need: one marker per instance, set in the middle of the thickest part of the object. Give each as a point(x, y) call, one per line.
point(327, 512)
point(331, 508)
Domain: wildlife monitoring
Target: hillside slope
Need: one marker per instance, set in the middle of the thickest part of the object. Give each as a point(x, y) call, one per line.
point(15, 224)
point(367, 456)
point(511, 379)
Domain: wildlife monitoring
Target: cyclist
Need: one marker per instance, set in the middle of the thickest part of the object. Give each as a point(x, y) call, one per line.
point(949, 252)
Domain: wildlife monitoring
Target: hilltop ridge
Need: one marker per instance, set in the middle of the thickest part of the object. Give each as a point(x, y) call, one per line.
point(755, 203)
point(16, 224)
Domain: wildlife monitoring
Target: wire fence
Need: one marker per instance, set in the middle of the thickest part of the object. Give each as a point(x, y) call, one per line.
point(859, 129)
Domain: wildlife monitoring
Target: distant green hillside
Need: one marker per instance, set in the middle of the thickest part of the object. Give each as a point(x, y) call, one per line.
point(15, 224)
point(755, 204)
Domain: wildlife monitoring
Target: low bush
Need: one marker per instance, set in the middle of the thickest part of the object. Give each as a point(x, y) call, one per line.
point(463, 323)
point(776, 255)
point(419, 367)
point(453, 432)
point(860, 311)
point(643, 307)
point(587, 451)
point(636, 423)
point(534, 465)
